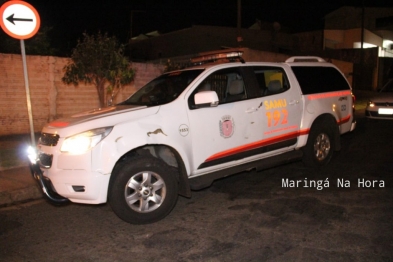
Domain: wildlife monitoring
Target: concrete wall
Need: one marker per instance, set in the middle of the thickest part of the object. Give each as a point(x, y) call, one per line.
point(346, 39)
point(50, 97)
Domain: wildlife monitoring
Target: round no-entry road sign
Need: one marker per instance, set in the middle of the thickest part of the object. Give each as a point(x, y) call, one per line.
point(19, 19)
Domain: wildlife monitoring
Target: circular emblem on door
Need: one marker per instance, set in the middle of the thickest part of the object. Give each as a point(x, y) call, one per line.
point(183, 130)
point(227, 126)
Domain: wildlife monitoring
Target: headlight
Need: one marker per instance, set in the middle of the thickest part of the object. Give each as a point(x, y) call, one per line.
point(82, 142)
point(370, 104)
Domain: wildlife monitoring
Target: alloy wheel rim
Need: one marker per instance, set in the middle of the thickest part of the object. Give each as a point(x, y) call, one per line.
point(322, 146)
point(145, 192)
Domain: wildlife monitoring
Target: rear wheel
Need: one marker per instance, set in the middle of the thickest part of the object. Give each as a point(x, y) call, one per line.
point(143, 190)
point(320, 144)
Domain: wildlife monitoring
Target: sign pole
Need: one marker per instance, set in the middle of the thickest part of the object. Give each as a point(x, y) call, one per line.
point(21, 20)
point(26, 77)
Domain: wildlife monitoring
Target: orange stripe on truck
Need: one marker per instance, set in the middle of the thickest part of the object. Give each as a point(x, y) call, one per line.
point(257, 144)
point(327, 95)
point(344, 120)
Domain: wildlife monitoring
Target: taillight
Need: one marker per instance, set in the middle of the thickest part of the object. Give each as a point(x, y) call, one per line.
point(353, 101)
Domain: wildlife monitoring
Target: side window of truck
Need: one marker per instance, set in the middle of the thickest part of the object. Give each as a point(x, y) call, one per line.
point(228, 83)
point(319, 79)
point(271, 80)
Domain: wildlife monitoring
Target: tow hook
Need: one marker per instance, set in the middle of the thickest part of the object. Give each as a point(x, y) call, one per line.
point(45, 185)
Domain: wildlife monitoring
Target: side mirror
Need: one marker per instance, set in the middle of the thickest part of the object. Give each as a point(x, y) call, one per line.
point(206, 99)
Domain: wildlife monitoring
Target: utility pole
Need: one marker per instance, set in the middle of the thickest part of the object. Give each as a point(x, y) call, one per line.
point(239, 21)
point(239, 14)
point(362, 25)
point(362, 68)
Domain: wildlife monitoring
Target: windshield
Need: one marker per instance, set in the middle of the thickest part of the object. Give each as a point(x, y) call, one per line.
point(164, 89)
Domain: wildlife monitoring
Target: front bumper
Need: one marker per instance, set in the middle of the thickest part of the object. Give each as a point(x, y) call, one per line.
point(46, 185)
point(353, 126)
point(373, 114)
point(70, 177)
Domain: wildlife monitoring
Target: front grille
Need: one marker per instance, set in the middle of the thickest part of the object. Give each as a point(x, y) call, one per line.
point(49, 139)
point(45, 160)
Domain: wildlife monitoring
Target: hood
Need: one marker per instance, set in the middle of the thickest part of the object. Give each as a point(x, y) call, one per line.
point(381, 97)
point(100, 117)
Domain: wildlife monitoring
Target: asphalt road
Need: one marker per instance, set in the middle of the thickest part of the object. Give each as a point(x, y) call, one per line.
point(254, 216)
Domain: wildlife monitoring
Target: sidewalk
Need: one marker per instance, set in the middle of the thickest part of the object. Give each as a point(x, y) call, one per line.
point(17, 185)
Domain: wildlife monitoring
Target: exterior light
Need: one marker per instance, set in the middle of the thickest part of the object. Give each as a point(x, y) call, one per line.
point(83, 142)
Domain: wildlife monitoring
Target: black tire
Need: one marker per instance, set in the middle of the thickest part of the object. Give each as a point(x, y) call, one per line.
point(143, 190)
point(320, 144)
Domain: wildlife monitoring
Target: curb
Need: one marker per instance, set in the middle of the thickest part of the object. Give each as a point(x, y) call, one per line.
point(17, 185)
point(20, 195)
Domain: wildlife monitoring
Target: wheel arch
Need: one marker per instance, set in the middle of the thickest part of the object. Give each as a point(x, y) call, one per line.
point(165, 153)
point(329, 119)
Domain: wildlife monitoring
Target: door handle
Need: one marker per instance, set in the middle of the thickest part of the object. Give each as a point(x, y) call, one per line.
point(252, 109)
point(342, 98)
point(293, 102)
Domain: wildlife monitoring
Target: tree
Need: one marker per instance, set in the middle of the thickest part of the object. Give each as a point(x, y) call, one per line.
point(99, 60)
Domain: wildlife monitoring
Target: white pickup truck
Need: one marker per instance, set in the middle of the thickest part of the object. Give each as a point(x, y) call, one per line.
point(186, 128)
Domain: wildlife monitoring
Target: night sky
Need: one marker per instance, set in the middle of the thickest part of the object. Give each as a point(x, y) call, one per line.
point(70, 18)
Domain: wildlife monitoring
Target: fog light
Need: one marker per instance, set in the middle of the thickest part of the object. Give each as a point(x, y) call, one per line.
point(32, 155)
point(78, 188)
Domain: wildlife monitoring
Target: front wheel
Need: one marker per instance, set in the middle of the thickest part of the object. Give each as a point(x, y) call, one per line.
point(320, 145)
point(143, 190)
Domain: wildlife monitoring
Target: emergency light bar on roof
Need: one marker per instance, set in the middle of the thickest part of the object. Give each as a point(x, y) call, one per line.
point(233, 55)
point(304, 59)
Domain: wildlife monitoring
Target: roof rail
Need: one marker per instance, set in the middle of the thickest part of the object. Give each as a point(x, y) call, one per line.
point(305, 59)
point(209, 57)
